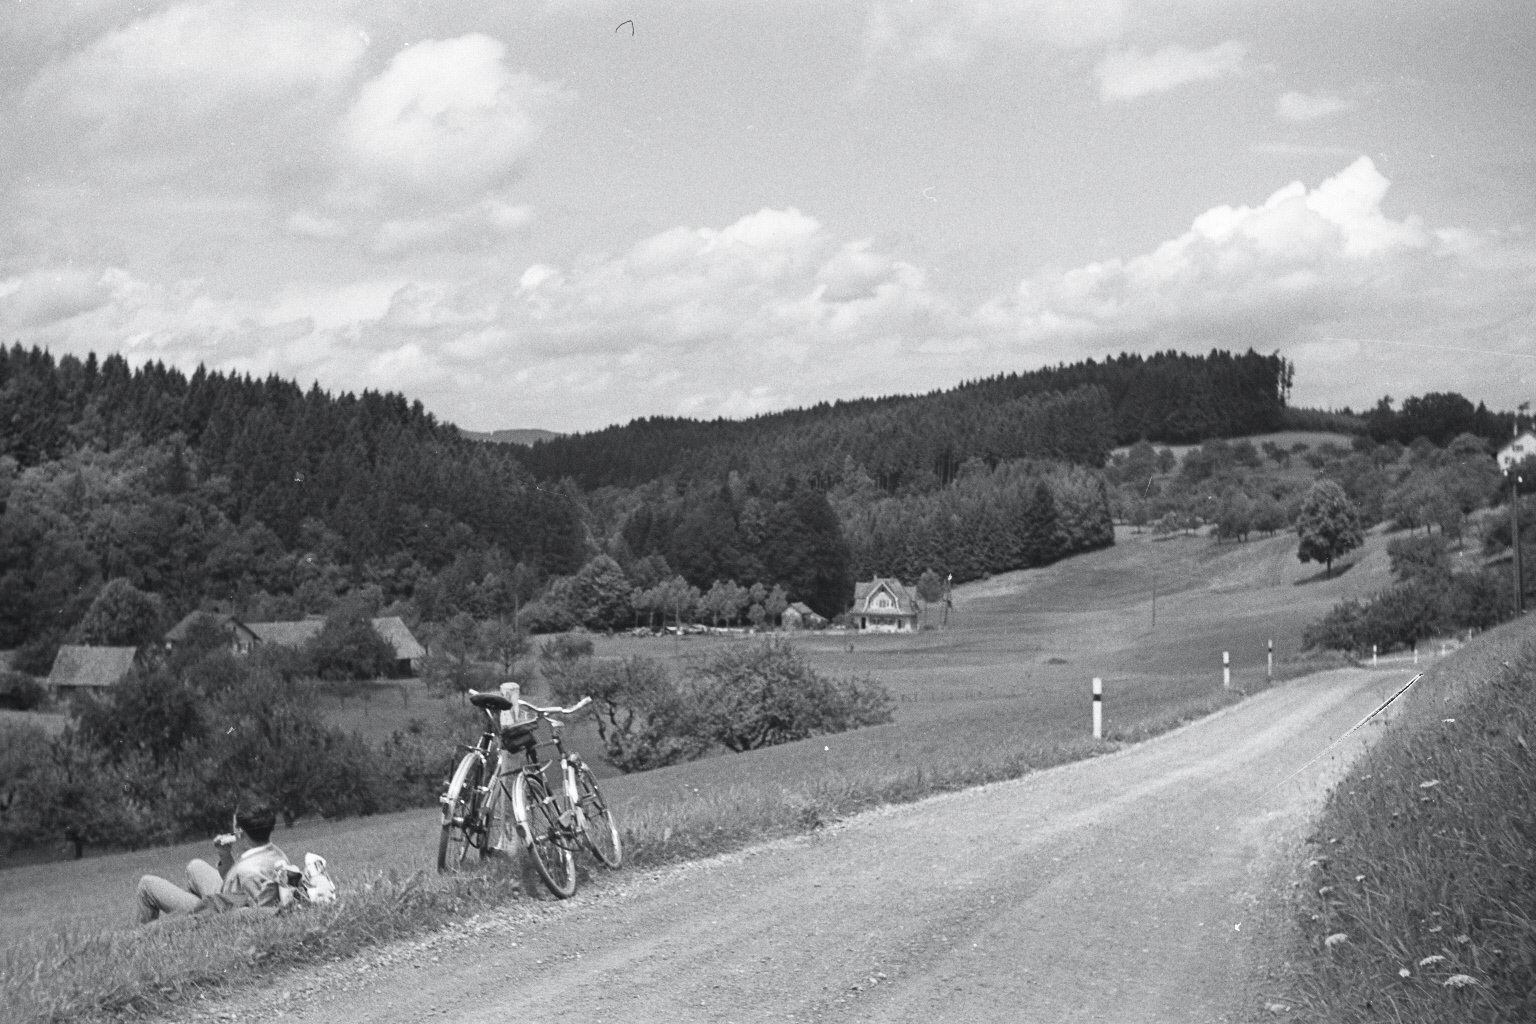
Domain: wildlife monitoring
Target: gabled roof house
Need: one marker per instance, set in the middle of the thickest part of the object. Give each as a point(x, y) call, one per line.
point(241, 636)
point(78, 668)
point(391, 628)
point(800, 616)
point(883, 605)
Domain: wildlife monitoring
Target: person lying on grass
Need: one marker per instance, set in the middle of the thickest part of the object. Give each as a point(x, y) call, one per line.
point(254, 880)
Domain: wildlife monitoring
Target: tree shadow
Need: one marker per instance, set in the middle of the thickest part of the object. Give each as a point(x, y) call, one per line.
point(1323, 575)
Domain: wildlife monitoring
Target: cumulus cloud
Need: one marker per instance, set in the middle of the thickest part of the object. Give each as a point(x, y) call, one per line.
point(1300, 258)
point(775, 277)
point(1301, 107)
point(1130, 74)
point(446, 121)
point(189, 64)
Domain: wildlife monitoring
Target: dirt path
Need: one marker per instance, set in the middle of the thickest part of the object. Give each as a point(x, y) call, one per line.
point(1137, 887)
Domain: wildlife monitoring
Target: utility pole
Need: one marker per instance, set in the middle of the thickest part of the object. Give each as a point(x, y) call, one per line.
point(1514, 536)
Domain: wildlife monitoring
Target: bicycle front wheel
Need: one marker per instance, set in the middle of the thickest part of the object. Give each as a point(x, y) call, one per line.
point(539, 823)
point(600, 832)
point(461, 814)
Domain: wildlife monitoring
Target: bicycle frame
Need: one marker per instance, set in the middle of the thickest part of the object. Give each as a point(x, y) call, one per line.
point(564, 795)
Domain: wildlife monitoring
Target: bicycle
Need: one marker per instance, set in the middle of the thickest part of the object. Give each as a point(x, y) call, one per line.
point(551, 820)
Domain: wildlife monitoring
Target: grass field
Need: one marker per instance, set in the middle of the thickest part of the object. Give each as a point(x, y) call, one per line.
point(1003, 690)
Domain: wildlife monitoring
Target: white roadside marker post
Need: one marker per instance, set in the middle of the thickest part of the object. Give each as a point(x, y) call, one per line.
point(1098, 708)
point(1269, 664)
point(1226, 669)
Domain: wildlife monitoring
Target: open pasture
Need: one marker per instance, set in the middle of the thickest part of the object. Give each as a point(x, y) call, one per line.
point(1003, 690)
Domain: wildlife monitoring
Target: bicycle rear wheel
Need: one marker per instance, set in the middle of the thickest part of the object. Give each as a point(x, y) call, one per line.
point(461, 814)
point(543, 836)
point(600, 831)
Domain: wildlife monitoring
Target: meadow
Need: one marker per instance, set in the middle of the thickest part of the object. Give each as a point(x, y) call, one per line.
point(1002, 690)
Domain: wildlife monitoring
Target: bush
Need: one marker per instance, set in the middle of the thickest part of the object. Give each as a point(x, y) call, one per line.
point(643, 718)
point(763, 694)
point(20, 691)
point(348, 647)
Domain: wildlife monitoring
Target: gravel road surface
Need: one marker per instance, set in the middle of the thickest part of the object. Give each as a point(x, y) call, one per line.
point(1142, 886)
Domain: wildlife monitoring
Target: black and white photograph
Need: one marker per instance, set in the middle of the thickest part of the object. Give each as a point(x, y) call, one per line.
point(707, 511)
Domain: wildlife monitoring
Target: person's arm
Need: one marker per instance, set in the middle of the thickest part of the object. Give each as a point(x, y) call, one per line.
point(225, 844)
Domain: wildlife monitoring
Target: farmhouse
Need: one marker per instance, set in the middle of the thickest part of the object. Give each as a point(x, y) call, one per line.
point(393, 630)
point(883, 605)
point(241, 637)
point(800, 616)
point(81, 669)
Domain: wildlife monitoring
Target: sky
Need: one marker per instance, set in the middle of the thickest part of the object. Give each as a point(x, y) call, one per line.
point(567, 214)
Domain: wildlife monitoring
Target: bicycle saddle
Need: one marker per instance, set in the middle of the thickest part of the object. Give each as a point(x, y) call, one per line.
point(490, 701)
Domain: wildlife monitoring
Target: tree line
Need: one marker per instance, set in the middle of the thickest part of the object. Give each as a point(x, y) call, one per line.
point(1073, 413)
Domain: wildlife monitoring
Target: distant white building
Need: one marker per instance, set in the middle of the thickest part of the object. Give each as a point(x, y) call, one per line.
point(1517, 451)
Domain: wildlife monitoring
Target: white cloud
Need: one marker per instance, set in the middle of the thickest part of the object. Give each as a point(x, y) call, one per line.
point(189, 64)
point(444, 123)
point(47, 296)
point(953, 32)
point(1301, 107)
point(1300, 259)
point(1129, 74)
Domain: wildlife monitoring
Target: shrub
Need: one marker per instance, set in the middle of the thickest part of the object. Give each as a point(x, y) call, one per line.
point(1341, 629)
point(20, 691)
point(762, 694)
point(643, 718)
point(348, 647)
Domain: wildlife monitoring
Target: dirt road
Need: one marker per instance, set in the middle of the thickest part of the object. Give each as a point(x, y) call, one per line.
point(1135, 887)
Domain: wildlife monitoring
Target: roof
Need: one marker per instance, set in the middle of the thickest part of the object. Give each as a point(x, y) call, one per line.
point(865, 592)
point(177, 633)
point(804, 609)
point(287, 634)
point(391, 629)
point(398, 635)
point(79, 665)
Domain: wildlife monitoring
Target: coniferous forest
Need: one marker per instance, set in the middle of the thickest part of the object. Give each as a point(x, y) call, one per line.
point(276, 501)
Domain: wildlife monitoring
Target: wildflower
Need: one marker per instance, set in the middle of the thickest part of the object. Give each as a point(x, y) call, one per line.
point(1403, 972)
point(1436, 927)
point(1463, 939)
point(1335, 939)
point(1431, 784)
point(1436, 959)
point(1459, 981)
point(1325, 890)
point(1359, 878)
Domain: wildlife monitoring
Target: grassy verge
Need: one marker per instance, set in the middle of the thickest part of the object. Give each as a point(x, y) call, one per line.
point(1420, 899)
point(77, 974)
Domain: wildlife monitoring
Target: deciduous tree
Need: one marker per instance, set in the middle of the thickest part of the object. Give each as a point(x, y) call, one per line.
point(1328, 525)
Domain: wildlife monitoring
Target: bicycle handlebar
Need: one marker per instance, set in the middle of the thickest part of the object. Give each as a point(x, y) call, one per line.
point(557, 710)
